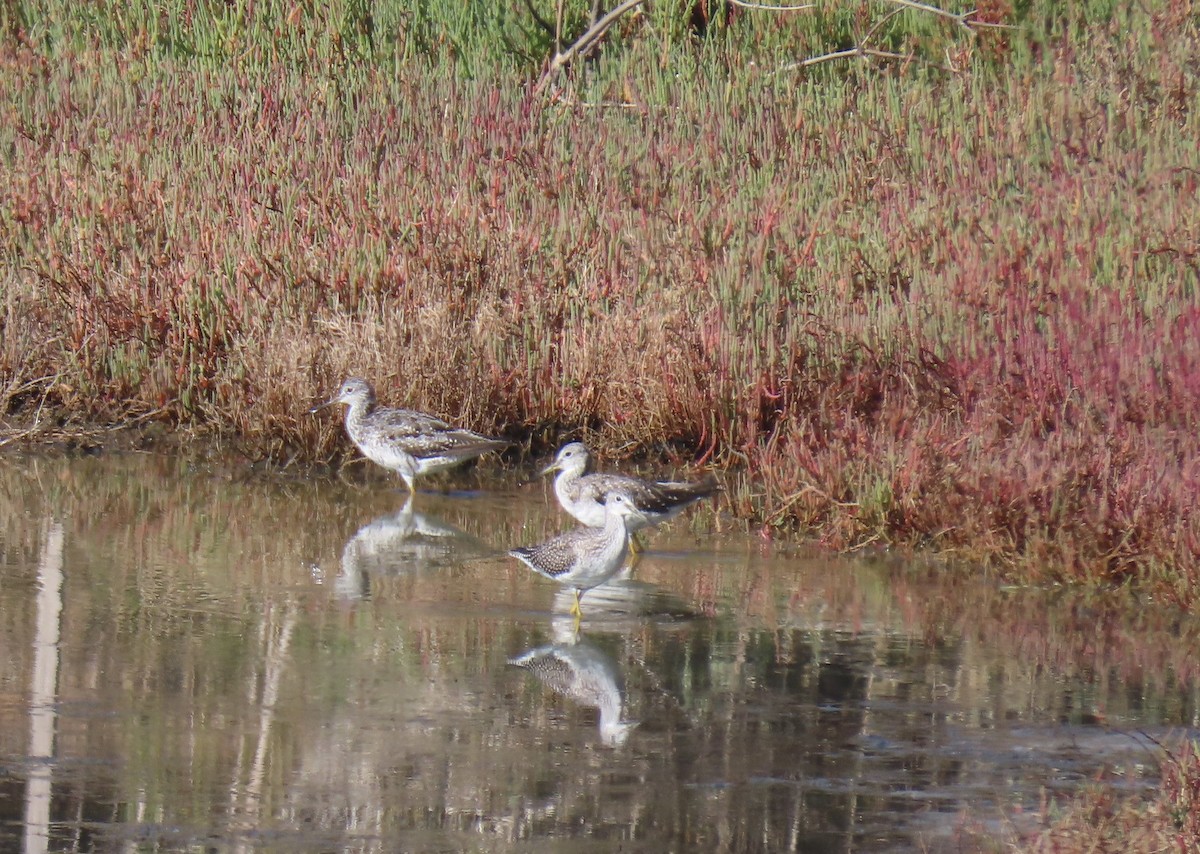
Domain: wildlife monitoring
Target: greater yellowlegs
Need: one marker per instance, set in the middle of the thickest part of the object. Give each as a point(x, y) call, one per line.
point(407, 442)
point(584, 495)
point(586, 557)
point(580, 670)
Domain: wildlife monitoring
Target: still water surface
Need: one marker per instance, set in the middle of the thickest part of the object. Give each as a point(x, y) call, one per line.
point(196, 659)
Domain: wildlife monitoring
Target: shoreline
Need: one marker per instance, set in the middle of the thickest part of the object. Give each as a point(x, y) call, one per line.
point(926, 310)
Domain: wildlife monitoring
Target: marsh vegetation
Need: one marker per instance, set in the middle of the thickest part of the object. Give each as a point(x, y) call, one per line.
point(939, 294)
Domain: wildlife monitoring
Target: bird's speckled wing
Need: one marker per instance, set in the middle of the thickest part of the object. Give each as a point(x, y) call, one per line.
point(557, 674)
point(593, 487)
point(663, 496)
point(406, 422)
point(424, 435)
point(554, 557)
point(659, 497)
point(452, 443)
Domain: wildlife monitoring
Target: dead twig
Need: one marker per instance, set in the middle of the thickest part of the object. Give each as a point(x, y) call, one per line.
point(585, 42)
point(767, 7)
point(862, 50)
point(549, 28)
point(807, 489)
point(49, 382)
point(964, 20)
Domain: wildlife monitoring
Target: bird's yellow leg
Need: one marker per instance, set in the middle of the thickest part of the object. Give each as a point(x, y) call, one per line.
point(576, 611)
point(636, 545)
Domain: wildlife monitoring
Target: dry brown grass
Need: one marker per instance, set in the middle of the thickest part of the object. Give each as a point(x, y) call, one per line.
point(1101, 821)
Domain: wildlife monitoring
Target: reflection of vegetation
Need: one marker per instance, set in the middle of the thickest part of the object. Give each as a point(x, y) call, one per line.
point(236, 693)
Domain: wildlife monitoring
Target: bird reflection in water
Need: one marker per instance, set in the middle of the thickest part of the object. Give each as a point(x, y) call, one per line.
point(577, 669)
point(622, 601)
point(398, 542)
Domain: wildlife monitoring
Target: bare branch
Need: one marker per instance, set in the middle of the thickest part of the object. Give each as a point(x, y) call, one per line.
point(966, 20)
point(878, 24)
point(817, 60)
point(558, 24)
point(538, 19)
point(766, 7)
point(585, 42)
point(862, 53)
point(861, 50)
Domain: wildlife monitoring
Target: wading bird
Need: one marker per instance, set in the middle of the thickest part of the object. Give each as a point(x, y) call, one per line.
point(406, 442)
point(584, 496)
point(586, 557)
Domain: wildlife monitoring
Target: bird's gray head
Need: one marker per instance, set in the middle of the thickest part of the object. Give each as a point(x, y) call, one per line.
point(620, 504)
point(351, 391)
point(572, 457)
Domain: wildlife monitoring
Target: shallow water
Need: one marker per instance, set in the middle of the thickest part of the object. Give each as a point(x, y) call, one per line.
point(200, 659)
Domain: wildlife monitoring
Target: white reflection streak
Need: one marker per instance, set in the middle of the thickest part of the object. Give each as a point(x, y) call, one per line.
point(43, 691)
point(249, 800)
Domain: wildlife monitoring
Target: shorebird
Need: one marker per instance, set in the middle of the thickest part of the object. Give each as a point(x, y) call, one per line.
point(584, 495)
point(407, 442)
point(586, 557)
